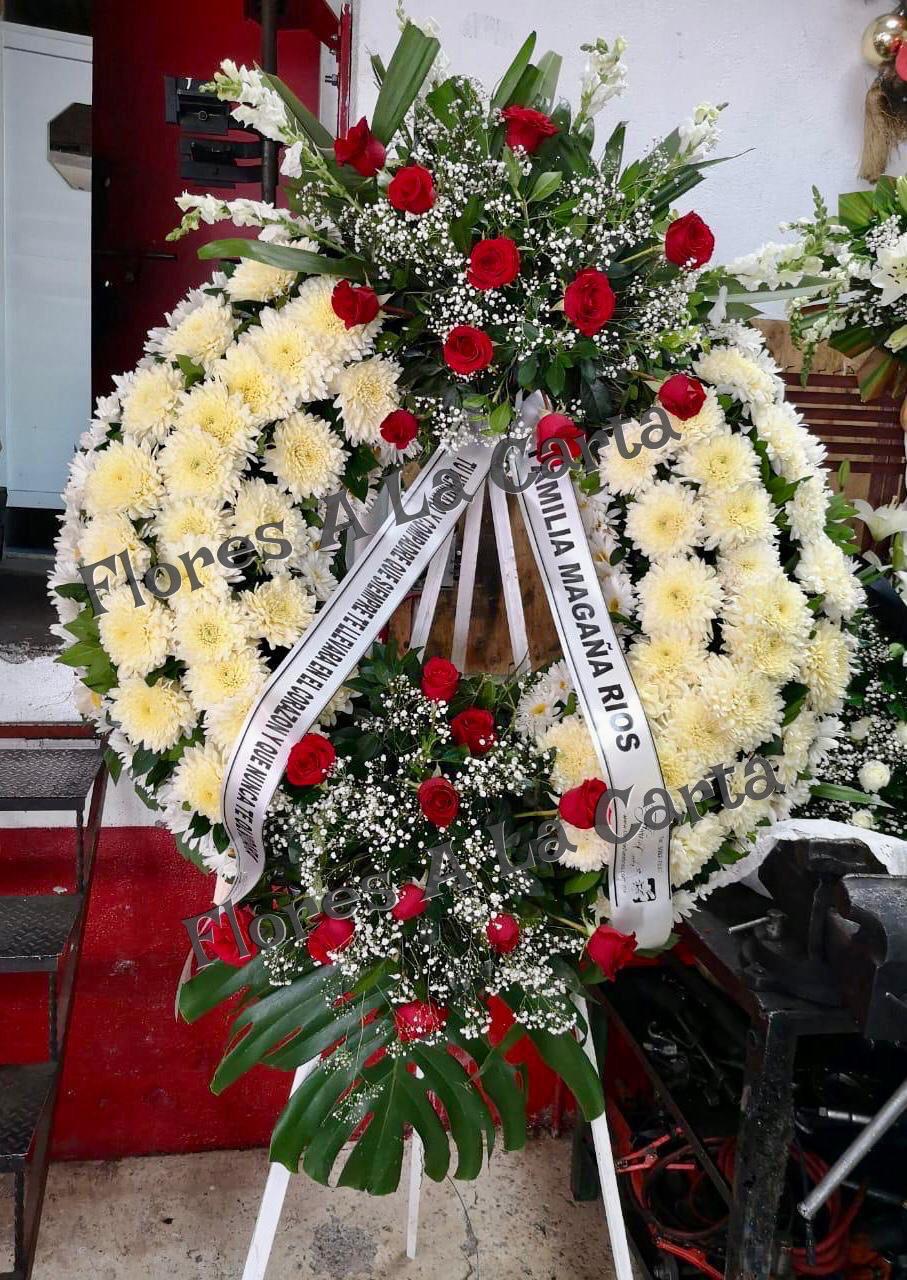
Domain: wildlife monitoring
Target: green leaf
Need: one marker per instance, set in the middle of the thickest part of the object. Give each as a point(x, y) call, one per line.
point(545, 184)
point(217, 982)
point(856, 210)
point(586, 880)
point(503, 94)
point(411, 62)
point(309, 123)
point(549, 71)
point(879, 378)
point(565, 1055)
point(527, 371)
point(499, 418)
point(191, 371)
point(441, 100)
point(466, 1110)
point(501, 1082)
point(114, 765)
point(555, 378)
point(845, 795)
point(285, 257)
point(512, 169)
point(853, 341)
point(79, 654)
point(613, 154)
point(73, 591)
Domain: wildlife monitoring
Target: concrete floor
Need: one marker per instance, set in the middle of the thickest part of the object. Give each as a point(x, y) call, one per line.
point(190, 1217)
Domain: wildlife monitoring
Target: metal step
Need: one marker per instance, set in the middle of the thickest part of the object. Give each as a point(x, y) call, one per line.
point(25, 1093)
point(34, 931)
point(53, 778)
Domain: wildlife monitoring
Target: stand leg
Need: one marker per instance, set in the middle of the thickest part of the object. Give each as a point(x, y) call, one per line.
point(416, 1165)
point(607, 1176)
point(271, 1206)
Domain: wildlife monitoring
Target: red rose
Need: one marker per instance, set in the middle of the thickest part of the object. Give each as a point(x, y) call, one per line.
point(439, 679)
point(589, 301)
point(411, 902)
point(503, 933)
point(493, 263)
point(682, 396)
point(400, 428)
point(354, 303)
point(579, 805)
point(220, 938)
point(439, 801)
point(527, 128)
point(610, 949)
point(328, 935)
point(412, 189)
point(361, 149)
point(418, 1019)
point(557, 426)
point(689, 242)
point(467, 350)
point(474, 729)
point(310, 761)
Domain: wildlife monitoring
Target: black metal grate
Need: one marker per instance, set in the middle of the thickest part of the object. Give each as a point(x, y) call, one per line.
point(34, 930)
point(47, 779)
point(26, 1090)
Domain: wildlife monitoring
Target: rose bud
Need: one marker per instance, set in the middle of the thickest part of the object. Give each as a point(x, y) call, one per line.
point(493, 263)
point(360, 149)
point(610, 949)
point(589, 301)
point(467, 349)
point(579, 805)
point(557, 426)
point(412, 189)
point(411, 902)
point(310, 761)
point(527, 128)
point(418, 1019)
point(439, 679)
point(400, 428)
point(354, 304)
point(503, 933)
point(327, 936)
point(439, 801)
point(689, 242)
point(682, 396)
point(220, 938)
point(474, 729)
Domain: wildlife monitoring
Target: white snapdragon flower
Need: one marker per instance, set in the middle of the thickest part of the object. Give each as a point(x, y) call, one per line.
point(699, 135)
point(773, 266)
point(604, 77)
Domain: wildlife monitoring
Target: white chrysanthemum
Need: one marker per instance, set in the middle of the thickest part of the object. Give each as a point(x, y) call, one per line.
point(704, 729)
point(786, 440)
point(874, 775)
point(692, 845)
point(591, 852)
point(340, 704)
point(724, 460)
point(764, 648)
point(204, 334)
point(365, 394)
point(245, 374)
point(312, 308)
point(106, 536)
point(537, 708)
point(807, 510)
point(155, 715)
point(207, 625)
point(196, 465)
point(149, 398)
point(740, 566)
point(824, 570)
point(223, 722)
point(628, 476)
point(709, 420)
point(734, 374)
point(681, 594)
point(825, 667)
point(293, 354)
point(618, 592)
point(664, 521)
point(187, 524)
point(197, 781)
point(122, 478)
point(254, 281)
point(663, 666)
point(733, 516)
point(211, 407)
point(278, 611)
point(797, 739)
point(306, 456)
point(748, 699)
point(136, 638)
point(772, 602)
point(261, 504)
point(681, 765)
point(575, 759)
point(239, 674)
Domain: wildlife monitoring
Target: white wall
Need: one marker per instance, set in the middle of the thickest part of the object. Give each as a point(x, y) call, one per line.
point(790, 71)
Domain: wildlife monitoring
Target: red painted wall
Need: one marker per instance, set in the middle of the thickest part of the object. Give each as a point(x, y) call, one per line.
point(136, 155)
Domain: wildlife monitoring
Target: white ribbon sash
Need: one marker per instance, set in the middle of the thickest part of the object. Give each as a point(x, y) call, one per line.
point(316, 667)
point(640, 886)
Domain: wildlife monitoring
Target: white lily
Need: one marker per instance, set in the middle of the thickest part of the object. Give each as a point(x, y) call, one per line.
point(882, 522)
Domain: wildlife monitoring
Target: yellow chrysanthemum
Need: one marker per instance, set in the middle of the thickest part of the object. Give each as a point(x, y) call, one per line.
point(723, 461)
point(197, 780)
point(692, 845)
point(243, 372)
point(747, 699)
point(705, 423)
point(764, 649)
point(149, 401)
point(306, 456)
point(703, 729)
point(739, 567)
point(293, 354)
point(772, 602)
point(259, 503)
point(239, 674)
point(731, 517)
point(278, 611)
point(156, 715)
point(136, 638)
point(825, 667)
point(733, 373)
point(667, 662)
point(257, 282)
point(203, 335)
point(123, 478)
point(680, 765)
point(195, 465)
point(207, 625)
point(312, 309)
point(107, 536)
point(681, 594)
point(223, 722)
point(663, 521)
point(575, 759)
point(628, 476)
point(188, 524)
point(210, 407)
point(366, 394)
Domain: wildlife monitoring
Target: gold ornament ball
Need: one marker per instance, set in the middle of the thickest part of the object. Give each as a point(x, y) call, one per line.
point(881, 37)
